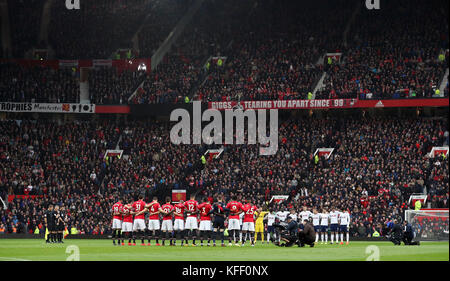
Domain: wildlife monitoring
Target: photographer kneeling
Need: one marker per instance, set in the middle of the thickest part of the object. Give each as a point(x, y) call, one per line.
point(288, 233)
point(307, 235)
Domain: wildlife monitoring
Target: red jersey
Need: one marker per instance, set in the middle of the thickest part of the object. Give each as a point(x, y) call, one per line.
point(154, 208)
point(179, 211)
point(205, 208)
point(117, 209)
point(235, 207)
point(249, 212)
point(167, 208)
point(137, 207)
point(127, 217)
point(191, 206)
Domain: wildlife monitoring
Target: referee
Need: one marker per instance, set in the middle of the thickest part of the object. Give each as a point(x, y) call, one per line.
point(49, 221)
point(218, 210)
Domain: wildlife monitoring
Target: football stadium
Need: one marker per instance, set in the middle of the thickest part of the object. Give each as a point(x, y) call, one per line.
point(224, 130)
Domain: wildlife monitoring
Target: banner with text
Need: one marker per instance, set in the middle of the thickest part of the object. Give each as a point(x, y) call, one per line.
point(47, 107)
point(327, 104)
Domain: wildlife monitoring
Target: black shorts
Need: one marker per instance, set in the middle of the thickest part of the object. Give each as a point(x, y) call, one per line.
point(60, 227)
point(51, 227)
point(219, 223)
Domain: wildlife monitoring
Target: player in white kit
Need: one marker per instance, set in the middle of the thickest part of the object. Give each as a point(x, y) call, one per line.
point(324, 219)
point(270, 229)
point(304, 215)
point(344, 222)
point(316, 223)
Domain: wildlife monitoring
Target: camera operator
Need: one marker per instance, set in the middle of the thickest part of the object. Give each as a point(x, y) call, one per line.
point(396, 233)
point(288, 232)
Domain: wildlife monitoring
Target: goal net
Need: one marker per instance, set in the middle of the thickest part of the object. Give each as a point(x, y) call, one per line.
point(429, 224)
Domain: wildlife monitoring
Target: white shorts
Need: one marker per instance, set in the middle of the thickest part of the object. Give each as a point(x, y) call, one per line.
point(205, 226)
point(153, 225)
point(178, 224)
point(138, 224)
point(233, 224)
point(166, 225)
point(248, 226)
point(117, 224)
point(127, 226)
point(191, 223)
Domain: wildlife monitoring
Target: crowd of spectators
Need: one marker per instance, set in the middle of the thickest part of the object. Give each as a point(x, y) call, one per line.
point(38, 84)
point(275, 51)
point(107, 85)
point(164, 17)
point(59, 163)
point(431, 227)
point(182, 68)
point(267, 49)
point(376, 165)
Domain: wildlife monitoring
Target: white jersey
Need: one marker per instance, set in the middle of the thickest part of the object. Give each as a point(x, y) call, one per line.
point(344, 218)
point(334, 217)
point(316, 219)
point(282, 215)
point(293, 216)
point(271, 219)
point(305, 215)
point(324, 219)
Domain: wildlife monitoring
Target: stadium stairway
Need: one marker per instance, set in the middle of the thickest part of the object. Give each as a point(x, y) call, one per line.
point(46, 15)
point(175, 33)
point(444, 83)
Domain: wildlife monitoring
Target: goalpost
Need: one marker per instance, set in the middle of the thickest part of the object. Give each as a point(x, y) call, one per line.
point(429, 224)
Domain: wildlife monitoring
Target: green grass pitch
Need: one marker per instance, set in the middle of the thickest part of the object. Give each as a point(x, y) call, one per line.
point(103, 250)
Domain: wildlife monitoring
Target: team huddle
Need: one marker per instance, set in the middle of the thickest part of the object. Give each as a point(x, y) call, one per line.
point(211, 221)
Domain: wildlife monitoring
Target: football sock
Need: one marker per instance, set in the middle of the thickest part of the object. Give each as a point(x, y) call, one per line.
point(156, 234)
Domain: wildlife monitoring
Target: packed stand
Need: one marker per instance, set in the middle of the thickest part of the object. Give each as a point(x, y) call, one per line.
point(376, 165)
point(37, 84)
point(274, 55)
point(395, 52)
point(59, 163)
point(182, 68)
point(156, 28)
point(110, 86)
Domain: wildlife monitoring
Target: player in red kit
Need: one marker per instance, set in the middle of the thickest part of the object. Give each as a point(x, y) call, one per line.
point(167, 227)
point(248, 225)
point(117, 221)
point(191, 221)
point(205, 222)
point(138, 210)
point(127, 224)
point(234, 225)
point(178, 225)
point(153, 221)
